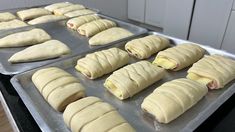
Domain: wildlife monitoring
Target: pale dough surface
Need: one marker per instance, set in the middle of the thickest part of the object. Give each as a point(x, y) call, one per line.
point(76, 22)
point(15, 23)
point(97, 64)
point(52, 7)
point(25, 38)
point(70, 8)
point(55, 89)
point(6, 16)
point(32, 13)
point(133, 78)
point(173, 98)
point(143, 48)
point(45, 19)
point(179, 57)
point(214, 71)
point(47, 50)
point(109, 35)
point(79, 13)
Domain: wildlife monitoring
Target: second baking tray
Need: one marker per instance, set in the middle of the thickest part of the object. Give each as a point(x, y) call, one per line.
point(50, 120)
point(58, 30)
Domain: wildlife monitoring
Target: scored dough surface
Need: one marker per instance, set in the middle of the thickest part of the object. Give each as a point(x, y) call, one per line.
point(52, 7)
point(79, 13)
point(70, 8)
point(32, 13)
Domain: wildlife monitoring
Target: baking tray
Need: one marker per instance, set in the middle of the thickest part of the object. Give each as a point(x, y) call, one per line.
point(50, 120)
point(58, 30)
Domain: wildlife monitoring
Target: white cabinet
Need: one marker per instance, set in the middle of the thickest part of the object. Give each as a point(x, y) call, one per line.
point(136, 10)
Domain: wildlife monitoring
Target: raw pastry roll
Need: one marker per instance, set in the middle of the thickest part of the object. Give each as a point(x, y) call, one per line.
point(52, 7)
point(173, 98)
point(6, 16)
point(25, 38)
point(214, 71)
point(132, 79)
point(47, 50)
point(15, 23)
point(109, 35)
point(79, 13)
point(94, 27)
point(143, 48)
point(45, 19)
point(58, 87)
point(97, 64)
point(74, 23)
point(179, 57)
point(91, 114)
point(64, 10)
point(32, 13)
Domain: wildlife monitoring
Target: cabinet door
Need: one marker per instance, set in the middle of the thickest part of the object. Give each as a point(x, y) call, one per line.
point(136, 10)
point(155, 12)
point(229, 39)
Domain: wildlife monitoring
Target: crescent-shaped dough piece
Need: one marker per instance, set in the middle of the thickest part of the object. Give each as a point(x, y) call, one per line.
point(173, 98)
point(214, 71)
point(63, 93)
point(76, 22)
point(25, 38)
point(52, 7)
point(109, 35)
point(47, 50)
point(6, 16)
point(94, 27)
point(32, 13)
point(15, 23)
point(64, 10)
point(132, 79)
point(79, 13)
point(45, 19)
point(92, 114)
point(97, 64)
point(179, 57)
point(143, 48)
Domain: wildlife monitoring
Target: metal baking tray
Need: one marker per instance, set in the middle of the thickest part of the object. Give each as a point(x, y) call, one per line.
point(50, 120)
point(58, 30)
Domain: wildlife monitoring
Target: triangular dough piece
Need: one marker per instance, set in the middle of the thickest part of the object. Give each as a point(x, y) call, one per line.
point(15, 23)
point(6, 16)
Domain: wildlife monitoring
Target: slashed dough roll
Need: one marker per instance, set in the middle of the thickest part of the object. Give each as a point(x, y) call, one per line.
point(47, 50)
point(32, 13)
point(25, 38)
point(97, 64)
point(15, 23)
point(214, 71)
point(70, 8)
point(6, 16)
point(133, 78)
point(173, 98)
point(79, 13)
point(109, 35)
point(58, 87)
point(76, 22)
point(52, 7)
point(179, 57)
point(91, 114)
point(45, 19)
point(94, 27)
point(143, 48)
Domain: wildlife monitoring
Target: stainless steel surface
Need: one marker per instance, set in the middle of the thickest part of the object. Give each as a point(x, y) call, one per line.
point(58, 30)
point(50, 120)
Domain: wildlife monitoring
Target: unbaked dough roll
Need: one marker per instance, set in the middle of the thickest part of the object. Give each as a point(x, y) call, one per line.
point(143, 48)
point(109, 35)
point(92, 114)
point(74, 23)
point(6, 16)
point(32, 13)
point(52, 7)
point(132, 79)
point(45, 19)
point(94, 27)
point(58, 91)
point(97, 64)
point(173, 98)
point(47, 50)
point(179, 57)
point(70, 8)
point(214, 71)
point(15, 23)
point(25, 38)
point(79, 13)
